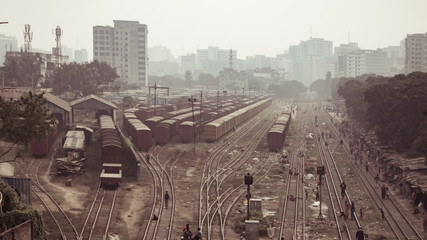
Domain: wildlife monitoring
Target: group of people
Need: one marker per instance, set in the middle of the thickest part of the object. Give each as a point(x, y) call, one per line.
point(187, 235)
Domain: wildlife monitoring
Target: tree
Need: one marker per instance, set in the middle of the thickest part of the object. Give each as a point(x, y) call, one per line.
point(129, 101)
point(24, 118)
point(84, 79)
point(288, 89)
point(22, 71)
point(352, 91)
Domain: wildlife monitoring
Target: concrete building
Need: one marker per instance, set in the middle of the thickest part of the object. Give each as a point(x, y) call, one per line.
point(7, 44)
point(67, 51)
point(213, 60)
point(416, 52)
point(123, 47)
point(162, 68)
point(187, 63)
point(311, 60)
point(233, 81)
point(80, 55)
point(159, 53)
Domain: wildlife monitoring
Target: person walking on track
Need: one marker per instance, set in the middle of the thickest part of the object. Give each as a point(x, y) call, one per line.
point(343, 187)
point(166, 199)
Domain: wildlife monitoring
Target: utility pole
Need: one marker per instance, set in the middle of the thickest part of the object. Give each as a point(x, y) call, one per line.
point(192, 100)
point(217, 104)
point(201, 105)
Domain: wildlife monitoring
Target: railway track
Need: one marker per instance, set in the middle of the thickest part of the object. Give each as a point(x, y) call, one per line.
point(161, 220)
point(292, 216)
point(98, 218)
point(332, 180)
point(213, 205)
point(64, 225)
point(400, 225)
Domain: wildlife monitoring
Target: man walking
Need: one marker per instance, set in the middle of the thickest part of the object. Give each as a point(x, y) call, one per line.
point(166, 199)
point(343, 187)
point(198, 234)
point(352, 209)
point(360, 235)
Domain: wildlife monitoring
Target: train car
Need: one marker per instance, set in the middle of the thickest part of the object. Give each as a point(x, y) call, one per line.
point(276, 137)
point(277, 134)
point(187, 131)
point(110, 180)
point(40, 144)
point(219, 127)
point(111, 153)
point(142, 136)
point(153, 121)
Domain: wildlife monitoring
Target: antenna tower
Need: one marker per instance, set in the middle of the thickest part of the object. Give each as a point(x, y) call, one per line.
point(58, 52)
point(28, 37)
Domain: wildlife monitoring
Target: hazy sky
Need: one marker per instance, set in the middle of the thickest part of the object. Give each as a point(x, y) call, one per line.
point(251, 27)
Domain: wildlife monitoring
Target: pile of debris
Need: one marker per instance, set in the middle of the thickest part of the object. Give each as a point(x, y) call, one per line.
point(73, 163)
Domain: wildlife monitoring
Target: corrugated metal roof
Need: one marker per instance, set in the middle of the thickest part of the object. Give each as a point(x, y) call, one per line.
point(74, 143)
point(88, 97)
point(58, 101)
point(22, 185)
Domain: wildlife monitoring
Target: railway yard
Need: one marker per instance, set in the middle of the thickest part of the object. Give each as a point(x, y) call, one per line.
point(204, 178)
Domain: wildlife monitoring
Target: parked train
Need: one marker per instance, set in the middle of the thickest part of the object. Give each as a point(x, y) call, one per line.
point(111, 153)
point(166, 124)
point(277, 134)
point(219, 127)
point(40, 144)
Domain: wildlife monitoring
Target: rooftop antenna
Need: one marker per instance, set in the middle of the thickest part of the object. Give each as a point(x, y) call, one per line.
point(28, 37)
point(58, 51)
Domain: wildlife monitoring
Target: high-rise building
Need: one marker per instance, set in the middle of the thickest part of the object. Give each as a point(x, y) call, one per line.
point(213, 60)
point(67, 51)
point(80, 55)
point(187, 63)
point(311, 60)
point(159, 53)
point(123, 47)
point(416, 52)
point(7, 44)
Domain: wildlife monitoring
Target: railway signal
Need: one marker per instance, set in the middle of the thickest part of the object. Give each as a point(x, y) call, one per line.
point(248, 181)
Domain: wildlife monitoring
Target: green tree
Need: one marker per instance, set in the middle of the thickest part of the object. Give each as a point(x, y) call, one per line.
point(288, 89)
point(22, 119)
point(84, 79)
point(352, 91)
point(22, 71)
point(129, 101)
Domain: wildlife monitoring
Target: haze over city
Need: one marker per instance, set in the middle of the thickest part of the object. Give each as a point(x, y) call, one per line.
point(250, 27)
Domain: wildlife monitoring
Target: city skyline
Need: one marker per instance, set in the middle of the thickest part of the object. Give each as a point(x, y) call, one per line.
point(252, 29)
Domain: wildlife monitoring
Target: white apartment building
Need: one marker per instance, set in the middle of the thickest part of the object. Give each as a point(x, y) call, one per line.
point(416, 52)
point(123, 47)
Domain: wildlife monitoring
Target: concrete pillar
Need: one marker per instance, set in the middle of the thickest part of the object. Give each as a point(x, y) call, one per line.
point(255, 204)
point(252, 229)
